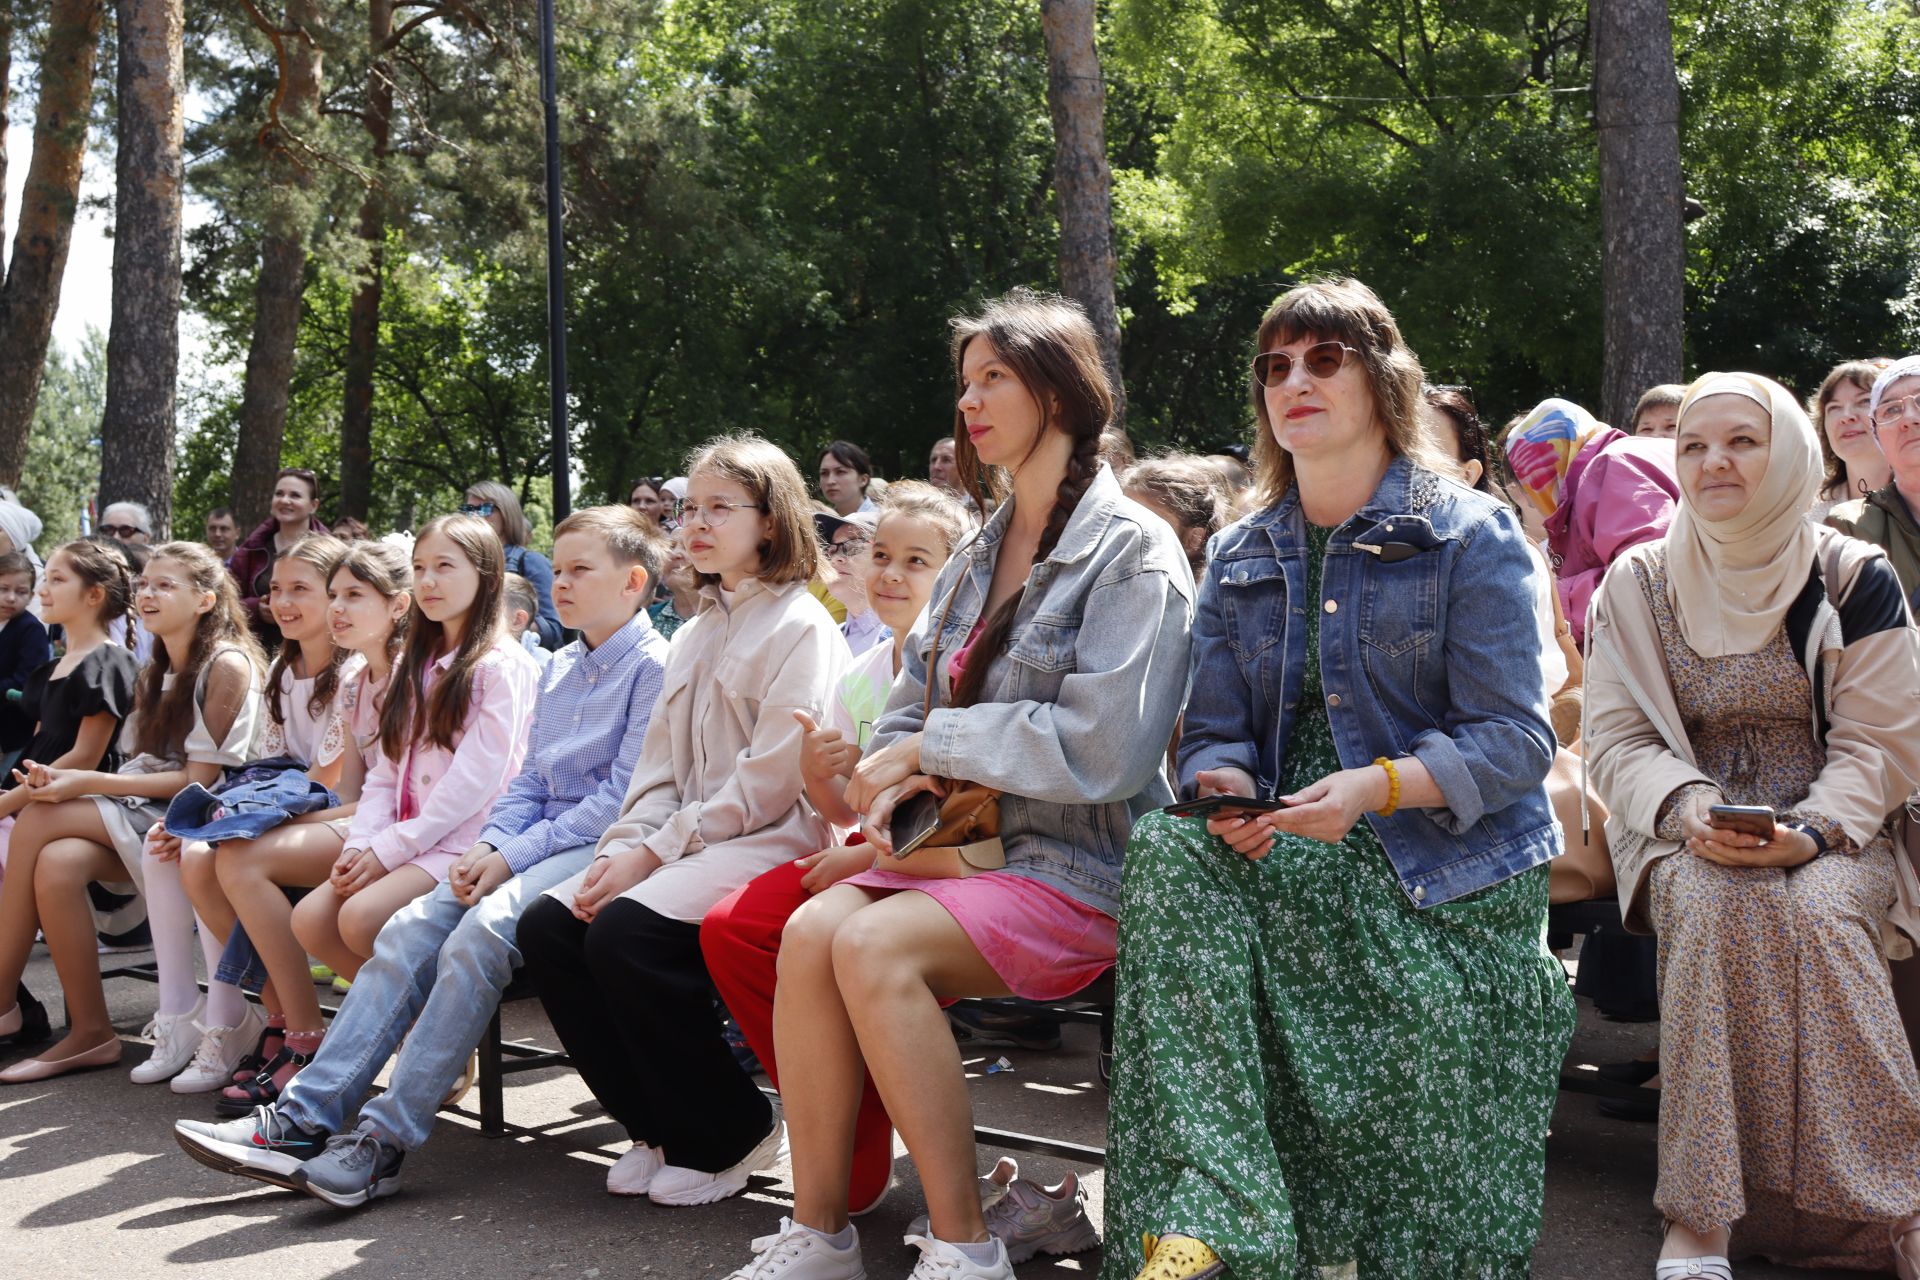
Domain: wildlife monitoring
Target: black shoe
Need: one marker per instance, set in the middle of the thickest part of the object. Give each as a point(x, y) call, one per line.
point(1003, 1027)
point(1634, 1109)
point(1635, 1072)
point(34, 1027)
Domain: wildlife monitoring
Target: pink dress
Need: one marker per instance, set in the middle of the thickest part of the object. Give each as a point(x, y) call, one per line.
point(1044, 944)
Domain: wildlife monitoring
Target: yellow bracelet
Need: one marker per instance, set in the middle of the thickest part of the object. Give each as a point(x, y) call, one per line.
point(1393, 787)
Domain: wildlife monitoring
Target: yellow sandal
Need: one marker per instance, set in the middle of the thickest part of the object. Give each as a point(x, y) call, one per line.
point(1179, 1258)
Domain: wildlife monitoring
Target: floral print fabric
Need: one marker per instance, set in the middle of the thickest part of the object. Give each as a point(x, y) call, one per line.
point(1791, 1105)
point(1314, 1077)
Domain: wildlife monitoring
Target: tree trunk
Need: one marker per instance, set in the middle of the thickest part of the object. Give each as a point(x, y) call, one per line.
point(283, 265)
point(143, 339)
point(6, 84)
point(1082, 182)
point(363, 314)
point(1643, 260)
point(40, 243)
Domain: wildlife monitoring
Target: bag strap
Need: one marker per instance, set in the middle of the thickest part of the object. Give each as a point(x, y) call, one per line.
point(933, 652)
point(1563, 635)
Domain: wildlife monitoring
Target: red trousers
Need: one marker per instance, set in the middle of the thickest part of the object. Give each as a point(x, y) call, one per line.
point(740, 939)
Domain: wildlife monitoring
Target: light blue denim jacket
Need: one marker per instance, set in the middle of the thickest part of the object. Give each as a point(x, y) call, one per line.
point(1073, 722)
point(1436, 656)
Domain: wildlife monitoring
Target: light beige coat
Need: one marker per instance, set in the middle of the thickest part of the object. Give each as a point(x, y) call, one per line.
point(1636, 742)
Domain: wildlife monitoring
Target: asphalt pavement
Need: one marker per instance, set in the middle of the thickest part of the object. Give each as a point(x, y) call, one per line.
point(92, 1184)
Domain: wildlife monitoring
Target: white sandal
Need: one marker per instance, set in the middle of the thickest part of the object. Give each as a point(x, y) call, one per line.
point(1903, 1266)
point(1709, 1267)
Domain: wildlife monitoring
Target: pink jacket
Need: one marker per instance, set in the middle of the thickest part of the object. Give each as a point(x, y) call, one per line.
point(435, 801)
point(1619, 492)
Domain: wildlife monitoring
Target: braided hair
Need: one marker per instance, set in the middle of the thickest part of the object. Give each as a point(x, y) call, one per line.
point(100, 565)
point(1048, 344)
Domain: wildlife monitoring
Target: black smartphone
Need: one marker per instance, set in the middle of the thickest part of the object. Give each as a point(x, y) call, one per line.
point(1747, 819)
point(914, 819)
point(1222, 807)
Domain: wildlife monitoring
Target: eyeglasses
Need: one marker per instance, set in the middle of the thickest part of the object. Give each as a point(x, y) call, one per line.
point(848, 547)
point(1323, 360)
point(714, 514)
point(159, 586)
point(1892, 411)
point(481, 509)
point(124, 532)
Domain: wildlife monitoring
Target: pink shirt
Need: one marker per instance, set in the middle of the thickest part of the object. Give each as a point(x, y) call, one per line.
point(431, 806)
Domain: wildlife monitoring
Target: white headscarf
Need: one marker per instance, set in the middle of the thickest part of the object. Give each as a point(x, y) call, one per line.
point(22, 527)
point(1732, 581)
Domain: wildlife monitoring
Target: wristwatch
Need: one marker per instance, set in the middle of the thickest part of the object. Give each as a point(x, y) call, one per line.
point(1812, 833)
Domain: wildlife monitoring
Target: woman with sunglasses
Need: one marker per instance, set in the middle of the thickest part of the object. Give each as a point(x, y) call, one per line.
point(495, 503)
point(295, 508)
point(1337, 1034)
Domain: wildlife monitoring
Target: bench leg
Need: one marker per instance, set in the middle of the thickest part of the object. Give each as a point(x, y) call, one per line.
point(493, 1114)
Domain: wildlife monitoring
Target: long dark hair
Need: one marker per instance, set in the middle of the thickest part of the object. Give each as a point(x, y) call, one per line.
point(410, 713)
point(323, 553)
point(164, 715)
point(1047, 343)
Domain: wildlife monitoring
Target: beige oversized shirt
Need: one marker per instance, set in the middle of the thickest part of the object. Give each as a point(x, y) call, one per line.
point(717, 794)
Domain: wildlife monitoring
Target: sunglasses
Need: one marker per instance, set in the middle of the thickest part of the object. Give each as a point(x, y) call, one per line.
point(1323, 360)
point(481, 509)
point(124, 532)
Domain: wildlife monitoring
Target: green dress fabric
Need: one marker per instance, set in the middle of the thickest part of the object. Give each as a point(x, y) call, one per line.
point(1310, 1075)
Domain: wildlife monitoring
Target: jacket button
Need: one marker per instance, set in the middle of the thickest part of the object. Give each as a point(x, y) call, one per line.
point(1419, 893)
point(1332, 606)
point(1333, 699)
point(1240, 575)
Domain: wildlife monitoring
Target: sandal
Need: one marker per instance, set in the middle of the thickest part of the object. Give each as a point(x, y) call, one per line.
point(237, 1100)
point(1179, 1258)
point(1706, 1267)
point(1905, 1265)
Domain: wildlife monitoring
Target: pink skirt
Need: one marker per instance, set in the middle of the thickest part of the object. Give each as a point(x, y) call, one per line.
point(1044, 944)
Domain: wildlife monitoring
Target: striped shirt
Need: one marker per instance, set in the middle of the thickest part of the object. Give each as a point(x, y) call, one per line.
point(588, 724)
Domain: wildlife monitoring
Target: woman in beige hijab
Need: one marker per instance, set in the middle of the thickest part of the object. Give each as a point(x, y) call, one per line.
point(1754, 658)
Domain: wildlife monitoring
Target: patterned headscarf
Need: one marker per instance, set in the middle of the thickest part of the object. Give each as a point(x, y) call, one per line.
point(1542, 447)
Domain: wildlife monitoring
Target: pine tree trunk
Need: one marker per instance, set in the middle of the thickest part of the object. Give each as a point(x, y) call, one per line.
point(1643, 260)
point(6, 84)
point(283, 264)
point(143, 340)
point(363, 313)
point(31, 292)
point(1082, 182)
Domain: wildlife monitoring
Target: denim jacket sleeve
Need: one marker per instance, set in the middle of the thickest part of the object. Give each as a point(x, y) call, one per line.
point(1218, 729)
point(1497, 743)
point(1103, 737)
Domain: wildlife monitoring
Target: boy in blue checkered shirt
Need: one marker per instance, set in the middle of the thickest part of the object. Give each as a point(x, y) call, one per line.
point(440, 965)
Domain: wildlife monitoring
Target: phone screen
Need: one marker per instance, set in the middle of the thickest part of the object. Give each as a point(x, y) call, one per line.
point(914, 819)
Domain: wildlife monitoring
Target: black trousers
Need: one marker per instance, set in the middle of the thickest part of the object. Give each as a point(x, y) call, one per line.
point(630, 998)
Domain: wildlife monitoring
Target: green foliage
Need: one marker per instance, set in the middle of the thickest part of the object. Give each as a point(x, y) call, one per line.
point(63, 453)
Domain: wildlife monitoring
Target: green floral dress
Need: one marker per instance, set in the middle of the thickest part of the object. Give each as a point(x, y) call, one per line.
point(1310, 1075)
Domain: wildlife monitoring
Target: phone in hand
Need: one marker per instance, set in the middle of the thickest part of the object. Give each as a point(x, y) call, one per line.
point(1747, 819)
point(915, 819)
point(1223, 807)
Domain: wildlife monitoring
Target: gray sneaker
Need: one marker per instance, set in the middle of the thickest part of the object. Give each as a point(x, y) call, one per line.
point(263, 1145)
point(355, 1168)
point(1031, 1219)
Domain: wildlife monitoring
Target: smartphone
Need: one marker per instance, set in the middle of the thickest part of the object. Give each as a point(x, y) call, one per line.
point(914, 820)
point(1222, 807)
point(1747, 819)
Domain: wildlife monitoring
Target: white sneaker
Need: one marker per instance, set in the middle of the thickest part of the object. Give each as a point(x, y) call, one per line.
point(942, 1261)
point(676, 1186)
point(796, 1253)
point(635, 1171)
point(220, 1051)
point(175, 1036)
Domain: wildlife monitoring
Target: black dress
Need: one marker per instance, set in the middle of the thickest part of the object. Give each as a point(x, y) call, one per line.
point(103, 681)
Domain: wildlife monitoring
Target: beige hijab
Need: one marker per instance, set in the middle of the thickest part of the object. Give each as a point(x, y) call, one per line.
point(1732, 581)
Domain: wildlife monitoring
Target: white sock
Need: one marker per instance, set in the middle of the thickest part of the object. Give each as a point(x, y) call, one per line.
point(170, 917)
point(981, 1251)
point(845, 1238)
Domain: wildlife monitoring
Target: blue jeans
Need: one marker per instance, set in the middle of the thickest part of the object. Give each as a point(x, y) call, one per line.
point(439, 968)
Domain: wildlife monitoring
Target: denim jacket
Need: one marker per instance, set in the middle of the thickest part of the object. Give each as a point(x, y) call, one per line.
point(1435, 656)
point(1073, 721)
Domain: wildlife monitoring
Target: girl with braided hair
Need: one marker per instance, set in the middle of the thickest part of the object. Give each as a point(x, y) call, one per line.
point(1056, 643)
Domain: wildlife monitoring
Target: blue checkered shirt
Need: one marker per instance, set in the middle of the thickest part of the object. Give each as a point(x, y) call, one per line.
point(588, 723)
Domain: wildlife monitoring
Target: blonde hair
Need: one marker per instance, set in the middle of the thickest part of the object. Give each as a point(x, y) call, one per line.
point(631, 538)
point(929, 504)
point(1345, 310)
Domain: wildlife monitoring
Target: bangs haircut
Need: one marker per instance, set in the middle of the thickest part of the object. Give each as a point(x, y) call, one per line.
point(630, 537)
point(321, 552)
point(791, 553)
point(1344, 310)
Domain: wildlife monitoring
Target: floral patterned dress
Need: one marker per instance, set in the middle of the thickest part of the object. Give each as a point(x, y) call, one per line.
point(1312, 1076)
point(1791, 1106)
